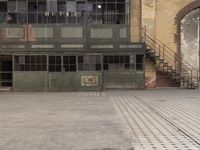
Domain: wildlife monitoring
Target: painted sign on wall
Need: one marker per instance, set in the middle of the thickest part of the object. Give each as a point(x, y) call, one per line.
point(89, 80)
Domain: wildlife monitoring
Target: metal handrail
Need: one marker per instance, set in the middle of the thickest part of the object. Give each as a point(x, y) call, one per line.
point(164, 52)
point(155, 39)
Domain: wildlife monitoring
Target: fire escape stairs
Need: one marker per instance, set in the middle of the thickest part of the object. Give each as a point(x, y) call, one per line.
point(166, 61)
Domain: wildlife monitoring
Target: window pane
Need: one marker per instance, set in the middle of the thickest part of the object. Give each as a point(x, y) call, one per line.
point(21, 6)
point(139, 59)
point(61, 5)
point(21, 18)
point(12, 18)
point(12, 6)
point(3, 17)
point(65, 11)
point(54, 63)
point(42, 6)
point(52, 5)
point(32, 6)
point(61, 17)
point(3, 6)
point(42, 18)
point(32, 18)
point(71, 6)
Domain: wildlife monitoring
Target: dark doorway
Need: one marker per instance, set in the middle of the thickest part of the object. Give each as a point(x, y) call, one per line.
point(6, 71)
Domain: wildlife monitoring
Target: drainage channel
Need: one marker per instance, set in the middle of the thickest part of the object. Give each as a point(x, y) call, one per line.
point(170, 122)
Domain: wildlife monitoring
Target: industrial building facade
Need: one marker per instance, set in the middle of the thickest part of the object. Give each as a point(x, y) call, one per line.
point(78, 45)
point(70, 45)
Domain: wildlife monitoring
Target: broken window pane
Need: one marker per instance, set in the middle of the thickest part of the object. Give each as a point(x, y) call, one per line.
point(21, 6)
point(71, 6)
point(89, 63)
point(12, 18)
point(12, 6)
point(66, 11)
point(52, 5)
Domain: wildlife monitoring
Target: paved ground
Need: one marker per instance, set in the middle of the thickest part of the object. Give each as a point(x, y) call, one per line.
point(110, 120)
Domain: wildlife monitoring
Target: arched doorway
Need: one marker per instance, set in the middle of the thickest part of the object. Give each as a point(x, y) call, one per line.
point(190, 37)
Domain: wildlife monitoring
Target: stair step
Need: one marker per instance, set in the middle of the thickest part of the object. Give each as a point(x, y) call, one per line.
point(165, 64)
point(161, 60)
point(157, 57)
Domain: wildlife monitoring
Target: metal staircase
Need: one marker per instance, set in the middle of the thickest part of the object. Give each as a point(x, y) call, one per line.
point(171, 63)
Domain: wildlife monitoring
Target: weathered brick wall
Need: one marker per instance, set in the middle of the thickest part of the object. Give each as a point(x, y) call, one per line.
point(160, 18)
point(135, 20)
point(148, 15)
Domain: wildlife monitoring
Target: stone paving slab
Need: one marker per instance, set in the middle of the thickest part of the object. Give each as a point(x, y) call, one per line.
point(109, 120)
point(161, 120)
point(60, 121)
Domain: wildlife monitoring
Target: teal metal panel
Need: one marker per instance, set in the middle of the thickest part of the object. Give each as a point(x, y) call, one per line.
point(55, 81)
point(77, 81)
point(123, 80)
point(30, 81)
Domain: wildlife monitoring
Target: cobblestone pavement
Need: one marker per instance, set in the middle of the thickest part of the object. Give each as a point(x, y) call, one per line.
point(161, 119)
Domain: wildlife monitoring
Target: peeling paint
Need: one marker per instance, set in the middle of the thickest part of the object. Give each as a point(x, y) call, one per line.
point(190, 37)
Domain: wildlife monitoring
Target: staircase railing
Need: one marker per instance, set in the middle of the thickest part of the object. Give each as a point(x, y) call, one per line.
point(169, 56)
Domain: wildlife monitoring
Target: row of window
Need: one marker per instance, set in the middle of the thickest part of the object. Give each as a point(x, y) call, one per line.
point(65, 11)
point(78, 63)
point(44, 18)
point(13, 6)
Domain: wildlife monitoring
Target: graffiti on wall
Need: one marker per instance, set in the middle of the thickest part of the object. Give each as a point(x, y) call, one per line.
point(89, 80)
point(150, 74)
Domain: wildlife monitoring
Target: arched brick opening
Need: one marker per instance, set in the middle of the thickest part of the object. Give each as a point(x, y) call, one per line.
point(182, 13)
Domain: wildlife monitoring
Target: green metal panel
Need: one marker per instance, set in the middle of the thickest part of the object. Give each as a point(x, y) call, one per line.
point(55, 81)
point(123, 80)
point(70, 81)
point(30, 81)
point(140, 80)
point(60, 81)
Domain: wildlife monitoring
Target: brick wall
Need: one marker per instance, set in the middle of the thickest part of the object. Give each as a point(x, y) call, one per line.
point(162, 18)
point(135, 21)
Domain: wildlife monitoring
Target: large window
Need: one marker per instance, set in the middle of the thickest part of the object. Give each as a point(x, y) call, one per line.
point(55, 64)
point(64, 11)
point(69, 63)
point(139, 62)
point(89, 63)
point(30, 63)
point(123, 62)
